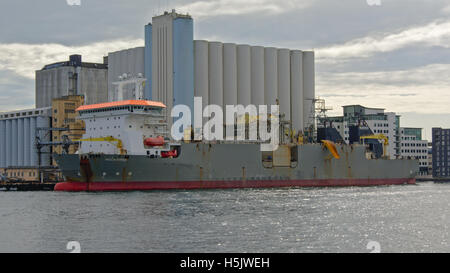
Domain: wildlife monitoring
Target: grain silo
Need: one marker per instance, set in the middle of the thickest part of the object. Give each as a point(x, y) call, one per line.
point(201, 81)
point(244, 74)
point(215, 62)
point(297, 90)
point(308, 88)
point(257, 75)
point(284, 84)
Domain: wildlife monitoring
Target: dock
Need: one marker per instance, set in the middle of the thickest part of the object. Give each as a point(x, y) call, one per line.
point(433, 179)
point(27, 186)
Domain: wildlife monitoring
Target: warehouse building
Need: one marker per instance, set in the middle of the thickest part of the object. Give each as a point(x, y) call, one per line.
point(19, 133)
point(441, 152)
point(177, 68)
point(72, 77)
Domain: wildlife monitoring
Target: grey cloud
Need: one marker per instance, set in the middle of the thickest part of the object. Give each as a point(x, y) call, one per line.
point(16, 92)
point(323, 22)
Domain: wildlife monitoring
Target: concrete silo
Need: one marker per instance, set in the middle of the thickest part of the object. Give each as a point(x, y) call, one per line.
point(284, 84)
point(244, 74)
point(308, 88)
point(2, 143)
point(270, 76)
point(230, 89)
point(27, 142)
point(201, 81)
point(215, 62)
point(257, 75)
point(297, 90)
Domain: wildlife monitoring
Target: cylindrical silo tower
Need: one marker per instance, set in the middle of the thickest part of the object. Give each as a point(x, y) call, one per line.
point(2, 143)
point(270, 76)
point(297, 90)
point(8, 136)
point(14, 143)
point(244, 74)
point(216, 73)
point(201, 79)
point(139, 64)
point(229, 75)
point(34, 159)
point(27, 142)
point(284, 83)
point(111, 76)
point(308, 88)
point(257, 75)
point(43, 122)
point(130, 62)
point(20, 142)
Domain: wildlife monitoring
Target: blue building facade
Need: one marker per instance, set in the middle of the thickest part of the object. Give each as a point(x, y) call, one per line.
point(183, 63)
point(441, 152)
point(148, 62)
point(169, 52)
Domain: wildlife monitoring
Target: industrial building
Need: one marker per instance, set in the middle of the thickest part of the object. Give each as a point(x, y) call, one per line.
point(28, 138)
point(413, 146)
point(72, 77)
point(123, 65)
point(441, 152)
point(376, 119)
point(65, 123)
point(19, 133)
point(404, 142)
point(179, 68)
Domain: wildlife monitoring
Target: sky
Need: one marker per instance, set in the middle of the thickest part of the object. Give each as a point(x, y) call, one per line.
point(392, 54)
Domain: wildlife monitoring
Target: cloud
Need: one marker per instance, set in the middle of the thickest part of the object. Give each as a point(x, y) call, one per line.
point(425, 89)
point(202, 9)
point(24, 59)
point(16, 92)
point(446, 10)
point(436, 33)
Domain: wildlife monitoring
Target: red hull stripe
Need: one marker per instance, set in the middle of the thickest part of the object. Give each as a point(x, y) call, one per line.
point(142, 186)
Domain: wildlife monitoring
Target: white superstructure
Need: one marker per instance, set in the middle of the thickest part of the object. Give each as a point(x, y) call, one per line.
point(122, 127)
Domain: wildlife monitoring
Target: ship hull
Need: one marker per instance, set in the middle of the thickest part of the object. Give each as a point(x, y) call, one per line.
point(192, 185)
point(220, 166)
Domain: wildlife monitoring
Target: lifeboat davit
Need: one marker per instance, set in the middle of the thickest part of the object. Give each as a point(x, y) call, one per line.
point(154, 141)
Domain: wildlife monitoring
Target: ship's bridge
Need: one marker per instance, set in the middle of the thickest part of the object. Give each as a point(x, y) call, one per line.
point(121, 127)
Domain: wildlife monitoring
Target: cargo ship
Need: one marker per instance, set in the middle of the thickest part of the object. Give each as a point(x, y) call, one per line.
point(126, 147)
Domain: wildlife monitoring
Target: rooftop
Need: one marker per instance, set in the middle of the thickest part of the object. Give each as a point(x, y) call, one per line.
point(75, 61)
point(363, 107)
point(121, 103)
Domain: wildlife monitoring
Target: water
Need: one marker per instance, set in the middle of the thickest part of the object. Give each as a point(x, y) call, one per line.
point(400, 218)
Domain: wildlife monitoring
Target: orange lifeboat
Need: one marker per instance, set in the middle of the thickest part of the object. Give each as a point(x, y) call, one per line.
point(173, 153)
point(154, 141)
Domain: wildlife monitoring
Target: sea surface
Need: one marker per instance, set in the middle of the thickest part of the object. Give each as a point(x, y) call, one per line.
point(411, 218)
